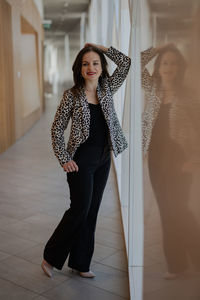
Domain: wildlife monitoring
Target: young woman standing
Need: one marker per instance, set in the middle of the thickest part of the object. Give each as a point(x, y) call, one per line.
point(95, 130)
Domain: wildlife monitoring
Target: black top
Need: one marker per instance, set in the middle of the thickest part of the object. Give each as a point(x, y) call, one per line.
point(98, 135)
point(163, 149)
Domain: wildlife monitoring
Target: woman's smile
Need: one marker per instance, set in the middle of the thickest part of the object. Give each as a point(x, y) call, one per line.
point(91, 73)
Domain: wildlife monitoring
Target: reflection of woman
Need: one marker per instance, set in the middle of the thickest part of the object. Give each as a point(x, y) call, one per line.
point(95, 130)
point(170, 119)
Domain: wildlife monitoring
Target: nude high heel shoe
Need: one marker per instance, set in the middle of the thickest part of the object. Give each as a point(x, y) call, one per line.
point(88, 274)
point(47, 268)
point(170, 276)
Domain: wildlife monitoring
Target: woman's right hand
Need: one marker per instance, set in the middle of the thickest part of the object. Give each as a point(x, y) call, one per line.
point(70, 166)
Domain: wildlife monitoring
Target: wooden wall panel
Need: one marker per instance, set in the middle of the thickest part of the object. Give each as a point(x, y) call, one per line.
point(18, 10)
point(7, 132)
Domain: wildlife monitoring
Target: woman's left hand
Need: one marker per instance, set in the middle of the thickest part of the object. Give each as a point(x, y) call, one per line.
point(104, 49)
point(70, 166)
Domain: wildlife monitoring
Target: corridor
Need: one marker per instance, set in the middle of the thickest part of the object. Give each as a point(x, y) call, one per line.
point(34, 195)
point(133, 259)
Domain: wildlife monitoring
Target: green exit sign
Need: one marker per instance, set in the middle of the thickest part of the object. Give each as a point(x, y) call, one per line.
point(47, 24)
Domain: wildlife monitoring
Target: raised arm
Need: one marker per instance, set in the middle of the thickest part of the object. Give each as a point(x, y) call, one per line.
point(146, 57)
point(123, 63)
point(59, 125)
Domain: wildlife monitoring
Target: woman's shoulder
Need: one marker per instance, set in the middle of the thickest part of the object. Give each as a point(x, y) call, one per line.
point(71, 94)
point(68, 97)
point(68, 92)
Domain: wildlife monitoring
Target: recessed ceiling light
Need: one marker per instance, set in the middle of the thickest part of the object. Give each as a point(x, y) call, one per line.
point(66, 4)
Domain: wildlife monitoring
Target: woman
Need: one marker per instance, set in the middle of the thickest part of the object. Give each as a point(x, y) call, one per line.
point(170, 134)
point(95, 130)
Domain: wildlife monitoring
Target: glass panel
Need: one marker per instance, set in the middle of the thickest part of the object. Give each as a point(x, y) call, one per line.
point(171, 130)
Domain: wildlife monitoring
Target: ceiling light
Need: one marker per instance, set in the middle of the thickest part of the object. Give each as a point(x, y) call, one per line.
point(66, 4)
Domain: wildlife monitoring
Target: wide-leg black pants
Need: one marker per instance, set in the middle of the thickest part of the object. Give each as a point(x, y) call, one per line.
point(179, 226)
point(74, 235)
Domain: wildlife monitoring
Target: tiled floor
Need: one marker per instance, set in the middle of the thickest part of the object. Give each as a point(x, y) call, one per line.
point(33, 197)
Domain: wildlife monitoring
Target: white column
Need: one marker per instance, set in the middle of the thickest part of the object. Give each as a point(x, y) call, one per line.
point(135, 148)
point(105, 15)
point(67, 57)
point(135, 218)
point(82, 30)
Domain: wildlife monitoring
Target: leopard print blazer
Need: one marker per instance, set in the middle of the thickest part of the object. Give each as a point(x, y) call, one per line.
point(152, 102)
point(77, 108)
point(184, 121)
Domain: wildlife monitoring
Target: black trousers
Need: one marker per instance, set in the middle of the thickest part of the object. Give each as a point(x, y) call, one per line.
point(180, 229)
point(74, 235)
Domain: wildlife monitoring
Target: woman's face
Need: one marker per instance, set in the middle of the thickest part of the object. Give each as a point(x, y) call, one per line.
point(91, 66)
point(168, 68)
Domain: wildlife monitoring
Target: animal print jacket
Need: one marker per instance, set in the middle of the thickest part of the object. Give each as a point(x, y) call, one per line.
point(152, 102)
point(77, 108)
point(184, 121)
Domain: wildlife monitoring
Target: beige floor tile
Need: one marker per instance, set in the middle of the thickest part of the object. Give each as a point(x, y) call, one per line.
point(117, 260)
point(42, 219)
point(115, 214)
point(28, 275)
point(10, 291)
point(6, 220)
point(102, 251)
point(3, 255)
point(12, 244)
point(110, 224)
point(15, 211)
point(108, 238)
point(110, 279)
point(74, 289)
point(28, 231)
point(33, 255)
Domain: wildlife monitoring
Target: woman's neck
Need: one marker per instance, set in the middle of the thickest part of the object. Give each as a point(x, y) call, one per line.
point(168, 91)
point(167, 86)
point(90, 86)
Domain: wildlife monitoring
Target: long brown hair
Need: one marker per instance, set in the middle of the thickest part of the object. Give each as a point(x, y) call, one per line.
point(76, 68)
point(181, 66)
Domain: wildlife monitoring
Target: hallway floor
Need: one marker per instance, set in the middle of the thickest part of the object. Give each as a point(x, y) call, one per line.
point(33, 198)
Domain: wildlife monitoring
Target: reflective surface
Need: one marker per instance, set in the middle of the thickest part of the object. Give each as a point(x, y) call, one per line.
point(171, 131)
